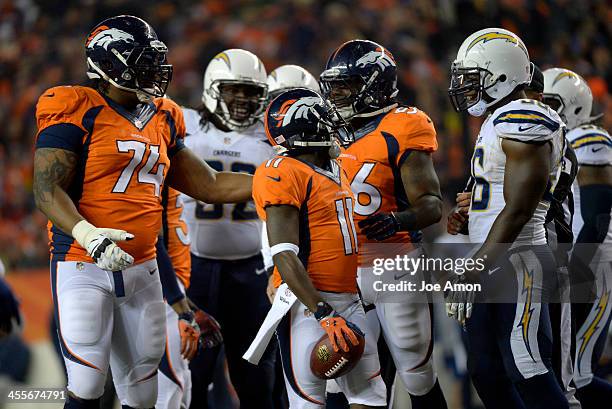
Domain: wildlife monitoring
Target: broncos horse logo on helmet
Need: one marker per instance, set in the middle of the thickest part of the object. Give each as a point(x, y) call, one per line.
point(300, 120)
point(125, 52)
point(360, 78)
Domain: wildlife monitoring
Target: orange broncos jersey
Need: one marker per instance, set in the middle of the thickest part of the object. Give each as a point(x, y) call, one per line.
point(328, 243)
point(176, 236)
point(123, 159)
point(373, 162)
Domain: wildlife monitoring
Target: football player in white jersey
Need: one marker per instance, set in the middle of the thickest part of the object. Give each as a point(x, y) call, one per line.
point(571, 96)
point(228, 277)
point(515, 165)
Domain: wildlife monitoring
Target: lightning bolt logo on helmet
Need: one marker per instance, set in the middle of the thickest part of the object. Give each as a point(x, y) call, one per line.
point(496, 36)
point(565, 74)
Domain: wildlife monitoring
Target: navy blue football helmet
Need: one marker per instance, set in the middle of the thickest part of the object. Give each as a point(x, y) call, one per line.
point(360, 78)
point(300, 120)
point(125, 51)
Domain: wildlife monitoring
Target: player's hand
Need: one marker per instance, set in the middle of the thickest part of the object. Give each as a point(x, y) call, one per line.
point(10, 319)
point(459, 303)
point(380, 226)
point(100, 245)
point(190, 335)
point(455, 222)
point(464, 199)
point(271, 290)
point(210, 330)
point(459, 216)
point(339, 330)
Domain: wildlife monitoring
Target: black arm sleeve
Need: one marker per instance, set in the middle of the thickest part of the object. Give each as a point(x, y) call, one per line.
point(595, 204)
point(172, 292)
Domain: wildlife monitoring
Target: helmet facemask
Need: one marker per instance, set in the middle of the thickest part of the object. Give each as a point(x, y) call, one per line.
point(344, 92)
point(143, 70)
point(239, 103)
point(467, 89)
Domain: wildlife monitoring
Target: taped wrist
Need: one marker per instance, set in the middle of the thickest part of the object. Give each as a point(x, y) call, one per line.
point(81, 230)
point(280, 247)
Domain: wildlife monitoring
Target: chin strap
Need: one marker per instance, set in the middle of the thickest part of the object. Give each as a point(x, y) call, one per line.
point(377, 112)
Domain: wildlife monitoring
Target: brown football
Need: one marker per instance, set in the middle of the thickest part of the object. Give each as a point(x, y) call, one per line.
point(327, 364)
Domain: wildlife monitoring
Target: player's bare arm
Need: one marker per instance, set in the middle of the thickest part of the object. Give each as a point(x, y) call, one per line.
point(594, 175)
point(526, 176)
point(54, 170)
point(192, 176)
point(282, 223)
point(422, 189)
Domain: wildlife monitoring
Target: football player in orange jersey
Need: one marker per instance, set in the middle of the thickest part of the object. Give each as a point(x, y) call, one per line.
point(397, 190)
point(103, 154)
point(306, 200)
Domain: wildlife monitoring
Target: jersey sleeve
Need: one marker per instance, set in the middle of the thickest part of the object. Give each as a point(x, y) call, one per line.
point(59, 117)
point(177, 237)
point(283, 184)
point(592, 145)
point(416, 132)
point(526, 121)
point(176, 125)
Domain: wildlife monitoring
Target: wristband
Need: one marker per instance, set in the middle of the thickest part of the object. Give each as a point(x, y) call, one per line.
point(280, 247)
point(323, 310)
point(188, 316)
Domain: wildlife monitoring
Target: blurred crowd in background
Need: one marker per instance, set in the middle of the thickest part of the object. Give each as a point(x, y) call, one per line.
point(42, 45)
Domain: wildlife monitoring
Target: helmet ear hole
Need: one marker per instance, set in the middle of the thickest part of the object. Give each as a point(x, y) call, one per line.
point(577, 110)
point(502, 78)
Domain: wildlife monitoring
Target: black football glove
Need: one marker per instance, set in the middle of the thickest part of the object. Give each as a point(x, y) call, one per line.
point(380, 226)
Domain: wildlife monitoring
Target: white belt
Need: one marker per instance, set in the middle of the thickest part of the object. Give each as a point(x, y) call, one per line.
point(283, 301)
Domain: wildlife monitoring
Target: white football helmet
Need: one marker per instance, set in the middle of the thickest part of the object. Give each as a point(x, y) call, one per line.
point(235, 67)
point(290, 76)
point(490, 65)
point(569, 94)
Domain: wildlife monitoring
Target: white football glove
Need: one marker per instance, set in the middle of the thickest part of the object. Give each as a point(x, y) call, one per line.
point(459, 303)
point(100, 245)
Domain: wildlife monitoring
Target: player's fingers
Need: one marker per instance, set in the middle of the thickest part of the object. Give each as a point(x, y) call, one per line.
point(463, 203)
point(463, 196)
point(117, 235)
point(459, 217)
point(468, 310)
point(341, 341)
point(351, 336)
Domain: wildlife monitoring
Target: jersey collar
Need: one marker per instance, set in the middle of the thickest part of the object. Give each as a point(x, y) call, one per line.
point(139, 118)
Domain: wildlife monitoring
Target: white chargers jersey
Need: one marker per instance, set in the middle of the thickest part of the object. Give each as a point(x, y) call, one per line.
point(523, 120)
point(228, 231)
point(593, 146)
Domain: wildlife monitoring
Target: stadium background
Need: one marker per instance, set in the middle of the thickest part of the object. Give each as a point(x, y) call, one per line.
point(41, 45)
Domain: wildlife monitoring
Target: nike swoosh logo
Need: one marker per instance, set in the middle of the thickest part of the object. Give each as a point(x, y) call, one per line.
point(596, 150)
point(152, 271)
point(494, 270)
point(259, 271)
point(523, 129)
point(398, 276)
point(276, 179)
